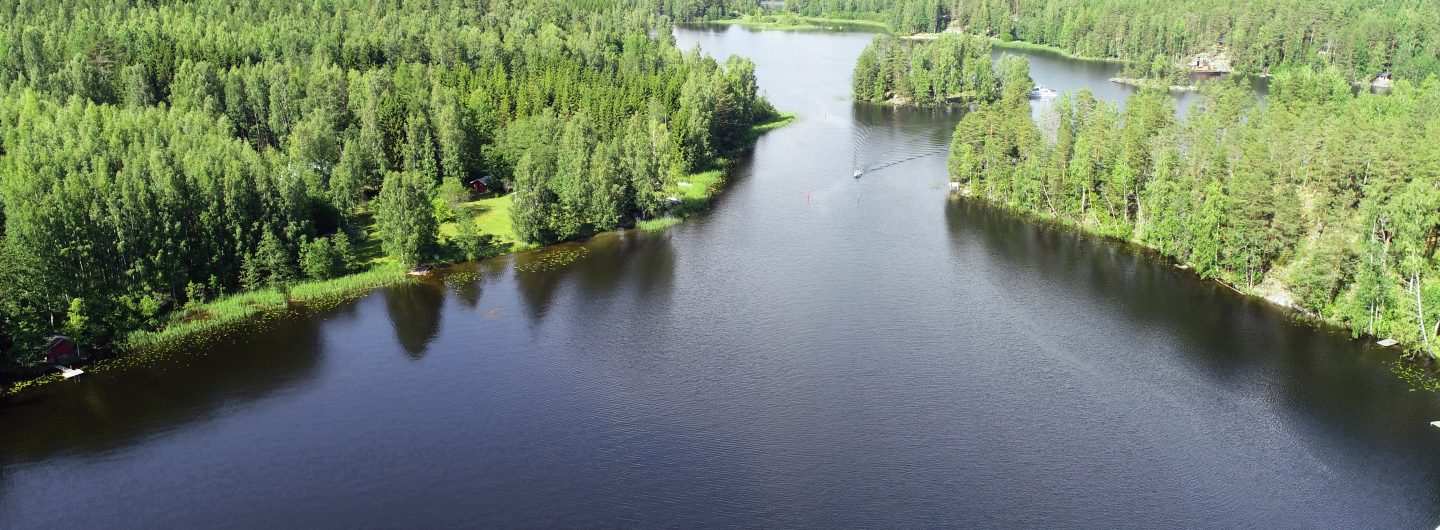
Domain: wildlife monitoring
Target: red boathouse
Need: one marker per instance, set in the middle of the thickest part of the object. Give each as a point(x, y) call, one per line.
point(59, 349)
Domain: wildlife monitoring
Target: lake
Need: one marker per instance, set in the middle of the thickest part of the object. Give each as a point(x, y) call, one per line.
point(815, 351)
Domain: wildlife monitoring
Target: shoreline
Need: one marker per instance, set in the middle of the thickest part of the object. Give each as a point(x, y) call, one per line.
point(1142, 82)
point(798, 23)
point(819, 23)
point(1277, 297)
point(230, 313)
point(1020, 45)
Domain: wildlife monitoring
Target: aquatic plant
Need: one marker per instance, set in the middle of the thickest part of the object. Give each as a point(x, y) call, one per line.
point(657, 224)
point(1420, 378)
point(327, 294)
point(549, 259)
point(460, 278)
point(204, 323)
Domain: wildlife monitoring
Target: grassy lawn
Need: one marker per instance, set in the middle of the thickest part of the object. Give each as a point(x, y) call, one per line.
point(701, 185)
point(367, 249)
point(492, 216)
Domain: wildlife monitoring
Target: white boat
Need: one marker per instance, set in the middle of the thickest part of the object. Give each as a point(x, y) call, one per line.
point(1042, 92)
point(859, 172)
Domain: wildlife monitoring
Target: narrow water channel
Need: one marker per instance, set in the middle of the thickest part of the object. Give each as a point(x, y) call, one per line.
point(816, 351)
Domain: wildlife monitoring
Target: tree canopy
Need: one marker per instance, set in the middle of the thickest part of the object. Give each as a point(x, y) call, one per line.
point(1363, 38)
point(1328, 198)
point(950, 69)
point(152, 152)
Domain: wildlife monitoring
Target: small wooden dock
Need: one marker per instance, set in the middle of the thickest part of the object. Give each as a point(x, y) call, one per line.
point(68, 373)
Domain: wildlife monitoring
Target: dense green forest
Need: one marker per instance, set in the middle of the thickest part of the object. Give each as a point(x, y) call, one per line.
point(1320, 196)
point(1363, 38)
point(700, 10)
point(950, 69)
point(904, 16)
point(158, 154)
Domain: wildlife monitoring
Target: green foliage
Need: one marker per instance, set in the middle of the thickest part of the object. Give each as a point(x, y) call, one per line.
point(904, 16)
point(406, 217)
point(196, 293)
point(319, 259)
point(347, 256)
point(205, 319)
point(698, 10)
point(950, 69)
point(149, 148)
point(1332, 196)
point(1362, 38)
point(77, 321)
point(321, 294)
point(469, 242)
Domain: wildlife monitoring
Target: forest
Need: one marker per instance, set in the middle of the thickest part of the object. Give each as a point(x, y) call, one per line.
point(951, 69)
point(156, 155)
point(702, 10)
point(1362, 38)
point(1320, 198)
point(902, 16)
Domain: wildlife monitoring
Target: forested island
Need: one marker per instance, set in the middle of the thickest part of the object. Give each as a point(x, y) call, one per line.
point(158, 157)
point(953, 69)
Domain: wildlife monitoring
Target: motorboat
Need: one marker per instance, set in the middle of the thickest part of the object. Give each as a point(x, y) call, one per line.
point(1042, 92)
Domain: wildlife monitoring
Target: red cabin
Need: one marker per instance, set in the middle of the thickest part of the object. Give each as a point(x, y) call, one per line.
point(59, 349)
point(478, 186)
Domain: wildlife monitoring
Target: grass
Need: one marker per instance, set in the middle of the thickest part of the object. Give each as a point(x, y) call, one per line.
point(492, 217)
point(195, 323)
point(657, 224)
point(785, 118)
point(368, 250)
point(789, 22)
point(324, 294)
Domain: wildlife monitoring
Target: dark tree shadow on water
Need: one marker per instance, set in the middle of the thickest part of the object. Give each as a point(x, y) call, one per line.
point(414, 310)
point(610, 262)
point(108, 409)
point(1239, 344)
point(537, 283)
point(468, 292)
